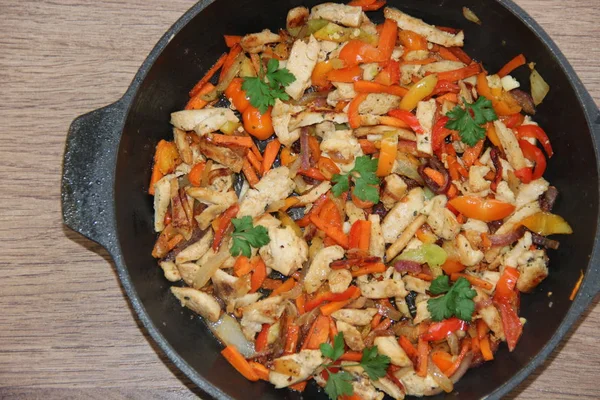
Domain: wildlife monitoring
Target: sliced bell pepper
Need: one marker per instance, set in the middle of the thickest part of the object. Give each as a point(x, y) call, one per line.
point(513, 121)
point(390, 74)
point(360, 235)
point(356, 52)
point(319, 74)
point(353, 115)
point(262, 338)
point(387, 156)
point(418, 92)
point(502, 102)
point(535, 131)
point(349, 74)
point(546, 224)
point(534, 154)
point(412, 40)
point(439, 133)
point(223, 224)
point(482, 209)
point(330, 297)
point(459, 74)
point(440, 330)
point(409, 118)
point(374, 87)
point(387, 39)
point(506, 299)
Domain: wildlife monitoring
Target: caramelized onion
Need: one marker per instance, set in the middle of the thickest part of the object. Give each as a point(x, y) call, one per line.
point(407, 266)
point(495, 156)
point(304, 149)
point(508, 238)
point(544, 241)
point(435, 164)
point(548, 199)
point(525, 101)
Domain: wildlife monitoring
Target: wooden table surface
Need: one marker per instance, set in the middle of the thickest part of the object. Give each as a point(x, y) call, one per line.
point(66, 329)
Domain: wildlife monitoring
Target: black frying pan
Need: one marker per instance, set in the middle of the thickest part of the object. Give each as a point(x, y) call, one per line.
point(109, 153)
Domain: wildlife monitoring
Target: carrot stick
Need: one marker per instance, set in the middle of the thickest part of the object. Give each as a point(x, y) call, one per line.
point(254, 162)
point(376, 268)
point(332, 330)
point(260, 370)
point(376, 320)
point(232, 40)
point(351, 356)
point(195, 175)
point(312, 173)
point(471, 154)
point(451, 97)
point(228, 62)
point(237, 360)
point(373, 87)
point(335, 233)
point(463, 352)
point(242, 266)
point(385, 324)
point(436, 176)
point(259, 275)
point(271, 284)
point(576, 287)
point(300, 302)
point(156, 176)
point(291, 339)
point(196, 102)
point(256, 151)
point(473, 280)
point(420, 62)
point(446, 54)
point(318, 333)
point(270, 154)
point(196, 89)
point(332, 307)
point(285, 287)
point(511, 65)
point(408, 348)
point(262, 338)
point(461, 55)
point(460, 73)
point(442, 359)
point(249, 173)
point(227, 140)
point(367, 146)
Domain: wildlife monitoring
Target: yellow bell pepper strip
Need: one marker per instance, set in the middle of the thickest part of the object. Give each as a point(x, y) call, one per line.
point(409, 118)
point(387, 155)
point(546, 224)
point(506, 298)
point(534, 131)
point(418, 92)
point(353, 115)
point(482, 209)
point(512, 65)
point(412, 41)
point(319, 74)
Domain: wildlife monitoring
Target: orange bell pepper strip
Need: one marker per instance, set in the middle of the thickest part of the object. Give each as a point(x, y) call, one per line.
point(349, 74)
point(459, 74)
point(229, 140)
point(353, 115)
point(211, 72)
point(332, 307)
point(390, 74)
point(387, 155)
point(260, 370)
point(195, 175)
point(409, 118)
point(233, 53)
point(262, 338)
point(387, 39)
point(451, 265)
point(321, 298)
point(237, 360)
point(512, 65)
point(333, 232)
point(360, 235)
point(242, 266)
point(484, 340)
point(291, 339)
point(224, 222)
point(576, 287)
point(165, 161)
point(317, 334)
point(482, 209)
point(503, 103)
point(259, 275)
point(466, 345)
point(327, 167)
point(471, 154)
point(285, 287)
point(374, 87)
point(319, 74)
point(460, 54)
point(232, 40)
point(356, 52)
point(412, 41)
point(376, 5)
point(299, 387)
point(423, 356)
point(367, 146)
point(442, 359)
point(391, 121)
point(196, 102)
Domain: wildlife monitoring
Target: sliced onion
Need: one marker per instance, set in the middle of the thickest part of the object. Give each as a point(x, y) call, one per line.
point(206, 271)
point(305, 320)
point(544, 241)
point(539, 87)
point(294, 292)
point(313, 97)
point(548, 199)
point(437, 165)
point(231, 73)
point(438, 376)
point(508, 238)
point(464, 366)
point(228, 331)
point(470, 15)
point(525, 100)
point(408, 266)
point(453, 344)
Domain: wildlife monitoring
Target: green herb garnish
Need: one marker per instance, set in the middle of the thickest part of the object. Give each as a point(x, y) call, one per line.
point(457, 300)
point(263, 91)
point(363, 175)
point(246, 235)
point(467, 121)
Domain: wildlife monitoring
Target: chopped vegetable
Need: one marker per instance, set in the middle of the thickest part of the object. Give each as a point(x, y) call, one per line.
point(470, 15)
point(545, 224)
point(482, 209)
point(539, 87)
point(238, 361)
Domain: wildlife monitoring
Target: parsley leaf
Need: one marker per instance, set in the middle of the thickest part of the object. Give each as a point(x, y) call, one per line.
point(246, 235)
point(374, 364)
point(456, 302)
point(339, 384)
point(468, 121)
point(263, 92)
point(364, 177)
point(333, 352)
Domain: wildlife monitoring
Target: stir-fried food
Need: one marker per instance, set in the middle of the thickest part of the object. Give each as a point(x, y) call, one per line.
point(356, 204)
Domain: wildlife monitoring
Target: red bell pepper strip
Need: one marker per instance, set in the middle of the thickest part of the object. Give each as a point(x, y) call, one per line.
point(439, 133)
point(445, 87)
point(535, 131)
point(409, 118)
point(506, 298)
point(524, 174)
point(224, 222)
point(534, 154)
point(440, 330)
point(513, 120)
point(330, 297)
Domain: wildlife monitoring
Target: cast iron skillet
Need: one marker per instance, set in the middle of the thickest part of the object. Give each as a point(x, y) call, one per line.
point(109, 153)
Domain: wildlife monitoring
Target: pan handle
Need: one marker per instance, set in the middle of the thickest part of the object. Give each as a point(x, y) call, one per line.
point(89, 171)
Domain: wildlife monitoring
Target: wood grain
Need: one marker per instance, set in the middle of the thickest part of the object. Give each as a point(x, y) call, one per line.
point(66, 330)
